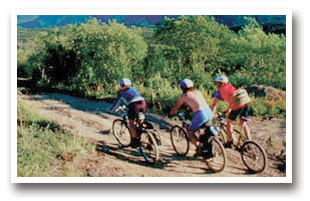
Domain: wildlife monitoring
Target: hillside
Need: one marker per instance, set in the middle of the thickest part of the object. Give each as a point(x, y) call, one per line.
point(270, 23)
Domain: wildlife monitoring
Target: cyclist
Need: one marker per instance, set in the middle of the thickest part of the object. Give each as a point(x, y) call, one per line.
point(196, 102)
point(225, 92)
point(135, 103)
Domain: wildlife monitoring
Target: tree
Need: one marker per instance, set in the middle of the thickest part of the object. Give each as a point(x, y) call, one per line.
point(107, 52)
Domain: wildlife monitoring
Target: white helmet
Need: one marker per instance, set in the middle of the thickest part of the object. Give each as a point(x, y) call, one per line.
point(221, 78)
point(125, 81)
point(186, 83)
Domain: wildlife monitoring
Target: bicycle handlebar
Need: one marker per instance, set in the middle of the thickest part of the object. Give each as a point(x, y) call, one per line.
point(182, 116)
point(121, 108)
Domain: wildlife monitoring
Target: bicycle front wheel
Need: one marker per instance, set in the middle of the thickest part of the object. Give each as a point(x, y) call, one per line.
point(254, 156)
point(222, 136)
point(179, 140)
point(121, 132)
point(148, 147)
point(216, 162)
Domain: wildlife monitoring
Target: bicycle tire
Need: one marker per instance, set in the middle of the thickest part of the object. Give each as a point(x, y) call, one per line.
point(179, 140)
point(222, 136)
point(121, 132)
point(252, 150)
point(236, 136)
point(149, 127)
point(148, 147)
point(217, 162)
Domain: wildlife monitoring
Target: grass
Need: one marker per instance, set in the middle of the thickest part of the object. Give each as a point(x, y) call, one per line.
point(44, 149)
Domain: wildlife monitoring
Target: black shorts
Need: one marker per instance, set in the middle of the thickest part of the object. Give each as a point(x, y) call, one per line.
point(136, 107)
point(242, 112)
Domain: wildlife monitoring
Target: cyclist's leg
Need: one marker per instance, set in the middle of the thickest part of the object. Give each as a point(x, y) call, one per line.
point(133, 110)
point(230, 127)
point(131, 117)
point(199, 119)
point(132, 128)
point(193, 138)
point(243, 113)
point(232, 117)
point(141, 106)
point(230, 124)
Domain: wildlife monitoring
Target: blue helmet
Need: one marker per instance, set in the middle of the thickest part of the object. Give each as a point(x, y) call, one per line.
point(125, 81)
point(186, 83)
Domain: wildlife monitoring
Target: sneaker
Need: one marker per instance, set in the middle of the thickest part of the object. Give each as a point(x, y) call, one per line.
point(197, 154)
point(208, 155)
point(228, 144)
point(203, 153)
point(134, 143)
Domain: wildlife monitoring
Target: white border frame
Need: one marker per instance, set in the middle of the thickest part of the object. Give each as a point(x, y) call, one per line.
point(289, 115)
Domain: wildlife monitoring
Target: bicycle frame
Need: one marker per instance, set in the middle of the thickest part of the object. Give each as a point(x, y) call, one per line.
point(241, 139)
point(123, 111)
point(186, 125)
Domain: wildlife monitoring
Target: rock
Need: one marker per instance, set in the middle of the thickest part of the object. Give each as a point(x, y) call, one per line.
point(270, 93)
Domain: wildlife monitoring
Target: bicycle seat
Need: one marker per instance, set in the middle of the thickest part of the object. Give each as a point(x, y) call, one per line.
point(245, 119)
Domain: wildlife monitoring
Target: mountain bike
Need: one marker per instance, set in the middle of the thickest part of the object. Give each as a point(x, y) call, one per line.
point(148, 136)
point(252, 153)
point(180, 139)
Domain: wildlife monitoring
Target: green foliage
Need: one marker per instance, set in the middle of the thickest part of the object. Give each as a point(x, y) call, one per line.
point(108, 51)
point(90, 58)
point(198, 38)
point(257, 54)
point(88, 54)
point(264, 107)
point(159, 93)
point(242, 78)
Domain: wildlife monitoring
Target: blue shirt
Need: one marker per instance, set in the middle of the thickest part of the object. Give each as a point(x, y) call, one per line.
point(131, 94)
point(217, 95)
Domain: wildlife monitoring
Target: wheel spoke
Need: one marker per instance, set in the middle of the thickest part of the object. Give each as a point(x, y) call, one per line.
point(121, 133)
point(179, 140)
point(148, 147)
point(254, 156)
point(218, 160)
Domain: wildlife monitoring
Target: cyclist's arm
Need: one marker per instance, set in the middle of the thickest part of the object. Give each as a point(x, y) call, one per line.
point(120, 100)
point(175, 109)
point(217, 97)
point(228, 111)
point(214, 105)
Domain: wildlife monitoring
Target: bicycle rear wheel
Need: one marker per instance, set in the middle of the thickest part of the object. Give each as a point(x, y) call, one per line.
point(179, 140)
point(217, 162)
point(148, 147)
point(254, 156)
point(121, 132)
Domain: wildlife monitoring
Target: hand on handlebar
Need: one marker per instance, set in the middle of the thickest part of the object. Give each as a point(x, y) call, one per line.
point(219, 114)
point(228, 112)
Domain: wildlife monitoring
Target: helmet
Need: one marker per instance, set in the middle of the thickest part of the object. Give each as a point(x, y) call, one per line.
point(221, 78)
point(125, 81)
point(186, 83)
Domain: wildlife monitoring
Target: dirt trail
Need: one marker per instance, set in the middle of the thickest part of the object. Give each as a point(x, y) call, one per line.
point(89, 119)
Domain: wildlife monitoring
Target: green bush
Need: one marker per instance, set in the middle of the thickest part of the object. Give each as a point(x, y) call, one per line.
point(268, 108)
point(90, 58)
